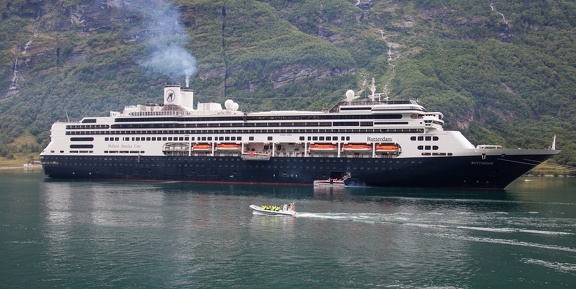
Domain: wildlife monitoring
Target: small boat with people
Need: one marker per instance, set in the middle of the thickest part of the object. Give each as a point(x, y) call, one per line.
point(271, 210)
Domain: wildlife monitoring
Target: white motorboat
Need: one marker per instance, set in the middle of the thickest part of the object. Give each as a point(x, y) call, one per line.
point(284, 210)
point(329, 183)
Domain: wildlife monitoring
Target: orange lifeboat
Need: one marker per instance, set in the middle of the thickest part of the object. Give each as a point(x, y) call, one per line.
point(387, 148)
point(357, 147)
point(323, 147)
point(202, 147)
point(228, 147)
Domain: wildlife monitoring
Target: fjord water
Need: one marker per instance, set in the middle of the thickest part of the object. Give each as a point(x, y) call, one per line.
point(61, 234)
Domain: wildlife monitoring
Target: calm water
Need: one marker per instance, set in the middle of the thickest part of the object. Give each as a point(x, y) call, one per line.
point(172, 235)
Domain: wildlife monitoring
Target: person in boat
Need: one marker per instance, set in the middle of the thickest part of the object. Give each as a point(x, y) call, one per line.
point(270, 208)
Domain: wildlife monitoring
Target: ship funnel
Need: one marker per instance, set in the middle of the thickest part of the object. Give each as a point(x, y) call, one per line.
point(174, 94)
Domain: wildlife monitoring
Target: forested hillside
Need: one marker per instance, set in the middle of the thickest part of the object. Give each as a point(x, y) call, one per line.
point(502, 71)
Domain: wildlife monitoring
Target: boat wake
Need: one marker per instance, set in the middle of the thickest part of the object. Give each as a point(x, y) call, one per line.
point(563, 267)
point(407, 220)
point(503, 242)
point(449, 229)
point(360, 217)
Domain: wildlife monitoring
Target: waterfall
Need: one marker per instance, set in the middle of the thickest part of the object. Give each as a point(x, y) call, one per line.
point(14, 82)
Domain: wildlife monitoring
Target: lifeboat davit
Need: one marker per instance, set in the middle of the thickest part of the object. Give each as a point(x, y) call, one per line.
point(228, 147)
point(323, 147)
point(358, 147)
point(202, 147)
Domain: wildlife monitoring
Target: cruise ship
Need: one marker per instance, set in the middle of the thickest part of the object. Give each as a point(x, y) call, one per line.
point(365, 142)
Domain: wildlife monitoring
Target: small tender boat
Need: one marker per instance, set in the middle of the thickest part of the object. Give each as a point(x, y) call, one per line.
point(386, 148)
point(202, 147)
point(323, 147)
point(357, 147)
point(228, 147)
point(329, 183)
point(252, 156)
point(284, 210)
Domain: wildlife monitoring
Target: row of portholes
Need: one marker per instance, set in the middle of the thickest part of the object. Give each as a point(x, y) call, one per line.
point(239, 166)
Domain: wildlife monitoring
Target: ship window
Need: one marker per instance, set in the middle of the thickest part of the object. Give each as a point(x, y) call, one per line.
point(321, 138)
point(314, 138)
point(269, 138)
point(251, 138)
point(435, 148)
point(435, 138)
point(81, 146)
point(412, 138)
point(420, 147)
point(427, 148)
point(420, 138)
point(428, 138)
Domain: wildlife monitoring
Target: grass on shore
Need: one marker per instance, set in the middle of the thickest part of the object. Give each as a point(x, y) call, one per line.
point(549, 169)
point(19, 160)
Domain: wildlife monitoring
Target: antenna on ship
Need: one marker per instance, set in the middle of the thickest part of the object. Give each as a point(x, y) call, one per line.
point(362, 87)
point(373, 89)
point(386, 91)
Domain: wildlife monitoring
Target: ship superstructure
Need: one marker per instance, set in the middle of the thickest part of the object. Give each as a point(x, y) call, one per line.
point(372, 142)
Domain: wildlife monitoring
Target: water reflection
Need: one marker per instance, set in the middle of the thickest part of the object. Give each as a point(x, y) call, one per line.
point(128, 234)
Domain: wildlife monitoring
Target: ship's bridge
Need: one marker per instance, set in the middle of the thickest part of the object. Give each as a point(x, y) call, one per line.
point(433, 120)
point(377, 106)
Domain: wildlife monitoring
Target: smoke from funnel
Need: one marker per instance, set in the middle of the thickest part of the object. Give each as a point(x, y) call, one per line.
point(173, 61)
point(166, 41)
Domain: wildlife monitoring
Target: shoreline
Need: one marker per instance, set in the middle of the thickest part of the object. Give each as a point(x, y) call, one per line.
point(20, 167)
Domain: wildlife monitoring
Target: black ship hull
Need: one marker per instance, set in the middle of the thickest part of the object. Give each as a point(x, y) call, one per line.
point(469, 172)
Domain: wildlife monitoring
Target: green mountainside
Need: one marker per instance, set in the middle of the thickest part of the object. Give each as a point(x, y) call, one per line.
point(502, 72)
